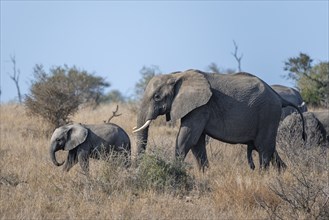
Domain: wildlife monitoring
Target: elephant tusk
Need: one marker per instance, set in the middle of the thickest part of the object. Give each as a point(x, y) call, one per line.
point(143, 127)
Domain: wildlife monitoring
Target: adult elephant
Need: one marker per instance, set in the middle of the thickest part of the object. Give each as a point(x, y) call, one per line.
point(323, 117)
point(234, 108)
point(88, 141)
point(291, 95)
point(316, 127)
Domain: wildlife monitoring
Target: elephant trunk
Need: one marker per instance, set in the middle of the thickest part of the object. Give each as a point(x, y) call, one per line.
point(142, 134)
point(53, 149)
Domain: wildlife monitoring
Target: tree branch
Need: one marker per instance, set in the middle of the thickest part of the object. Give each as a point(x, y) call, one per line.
point(235, 55)
point(114, 115)
point(15, 77)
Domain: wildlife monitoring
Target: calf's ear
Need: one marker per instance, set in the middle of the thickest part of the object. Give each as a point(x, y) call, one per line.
point(76, 135)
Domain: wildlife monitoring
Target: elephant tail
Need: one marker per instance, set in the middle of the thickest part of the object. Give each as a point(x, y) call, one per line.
point(285, 103)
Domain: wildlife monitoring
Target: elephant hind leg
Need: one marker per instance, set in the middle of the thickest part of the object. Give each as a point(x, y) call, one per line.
point(200, 153)
point(265, 143)
point(268, 153)
point(266, 150)
point(277, 161)
point(264, 160)
point(250, 148)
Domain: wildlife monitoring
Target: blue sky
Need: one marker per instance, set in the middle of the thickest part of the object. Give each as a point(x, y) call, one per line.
point(115, 39)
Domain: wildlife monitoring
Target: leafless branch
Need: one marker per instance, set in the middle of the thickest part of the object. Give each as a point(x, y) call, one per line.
point(15, 77)
point(113, 115)
point(235, 55)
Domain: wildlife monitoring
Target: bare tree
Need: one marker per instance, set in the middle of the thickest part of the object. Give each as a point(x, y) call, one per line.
point(235, 55)
point(15, 77)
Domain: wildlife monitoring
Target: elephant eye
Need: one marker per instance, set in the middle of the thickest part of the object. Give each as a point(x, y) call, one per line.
point(157, 97)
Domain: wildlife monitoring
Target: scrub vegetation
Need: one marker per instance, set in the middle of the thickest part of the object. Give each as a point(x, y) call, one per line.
point(31, 187)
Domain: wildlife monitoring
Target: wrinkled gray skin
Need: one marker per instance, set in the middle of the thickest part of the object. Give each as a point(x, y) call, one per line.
point(88, 141)
point(316, 133)
point(323, 117)
point(313, 127)
point(292, 96)
point(234, 108)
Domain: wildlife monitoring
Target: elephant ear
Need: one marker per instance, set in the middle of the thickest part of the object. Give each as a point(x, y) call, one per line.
point(76, 135)
point(192, 90)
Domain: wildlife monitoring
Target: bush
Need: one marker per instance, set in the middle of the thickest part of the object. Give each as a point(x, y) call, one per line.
point(305, 196)
point(315, 88)
point(157, 173)
point(57, 95)
point(312, 80)
point(147, 74)
point(154, 173)
point(303, 189)
point(113, 174)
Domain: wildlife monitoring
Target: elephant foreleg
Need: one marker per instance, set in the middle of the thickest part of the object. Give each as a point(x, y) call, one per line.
point(200, 153)
point(189, 135)
point(83, 158)
point(183, 143)
point(71, 160)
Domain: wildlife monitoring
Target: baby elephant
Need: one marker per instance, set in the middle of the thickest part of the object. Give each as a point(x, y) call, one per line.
point(88, 141)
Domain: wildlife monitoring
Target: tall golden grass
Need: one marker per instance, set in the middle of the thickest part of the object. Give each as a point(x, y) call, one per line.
point(31, 187)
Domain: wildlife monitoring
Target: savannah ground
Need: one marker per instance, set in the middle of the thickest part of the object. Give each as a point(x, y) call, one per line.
point(31, 187)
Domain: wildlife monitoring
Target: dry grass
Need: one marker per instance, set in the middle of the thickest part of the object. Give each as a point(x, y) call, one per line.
point(31, 187)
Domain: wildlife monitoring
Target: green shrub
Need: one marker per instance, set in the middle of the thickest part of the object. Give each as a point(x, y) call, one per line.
point(158, 173)
point(311, 80)
point(57, 95)
point(154, 173)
